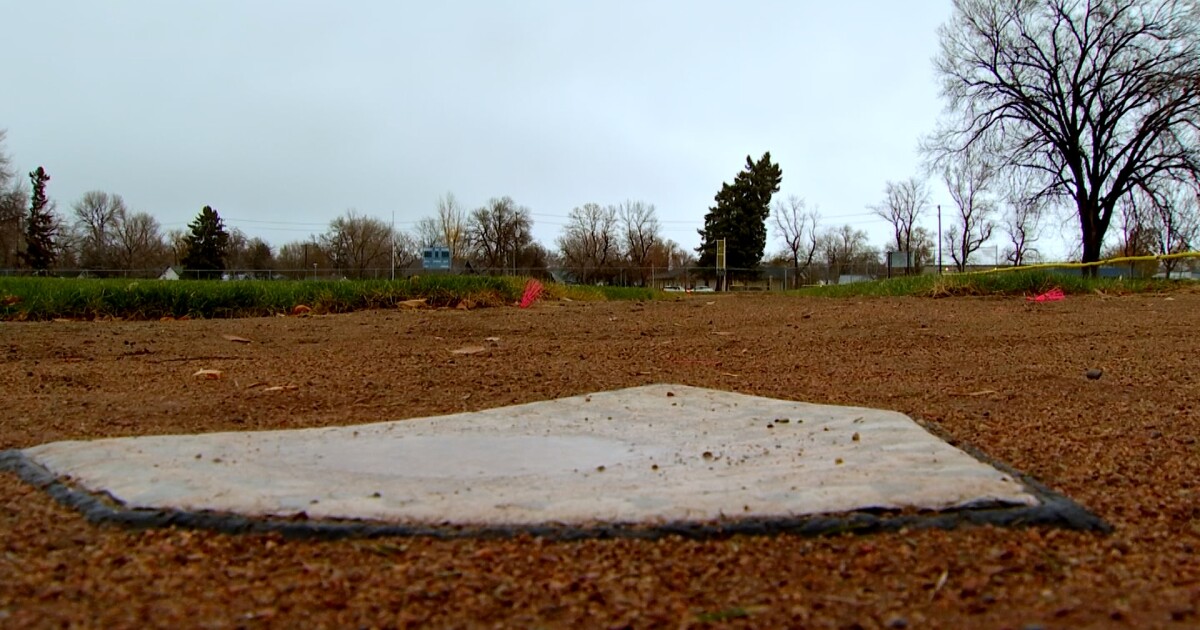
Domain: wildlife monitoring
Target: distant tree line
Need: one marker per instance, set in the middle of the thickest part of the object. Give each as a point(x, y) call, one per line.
point(1085, 109)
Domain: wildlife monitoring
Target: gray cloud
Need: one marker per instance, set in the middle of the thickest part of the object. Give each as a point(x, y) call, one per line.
point(284, 114)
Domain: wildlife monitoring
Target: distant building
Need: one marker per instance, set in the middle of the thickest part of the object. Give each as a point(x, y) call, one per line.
point(436, 258)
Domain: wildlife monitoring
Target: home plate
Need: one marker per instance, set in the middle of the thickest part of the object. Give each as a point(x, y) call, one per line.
point(639, 461)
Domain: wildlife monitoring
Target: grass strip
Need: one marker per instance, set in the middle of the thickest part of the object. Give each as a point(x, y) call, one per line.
point(29, 298)
point(1025, 282)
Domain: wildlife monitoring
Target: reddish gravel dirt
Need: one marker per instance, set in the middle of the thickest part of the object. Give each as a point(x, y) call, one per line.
point(1003, 375)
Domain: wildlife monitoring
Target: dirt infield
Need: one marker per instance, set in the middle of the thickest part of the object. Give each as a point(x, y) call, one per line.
point(1002, 375)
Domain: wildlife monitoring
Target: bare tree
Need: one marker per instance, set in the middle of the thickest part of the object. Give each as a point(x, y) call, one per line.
point(924, 243)
point(534, 258)
point(797, 228)
point(137, 242)
point(843, 249)
point(452, 221)
point(408, 250)
point(1161, 225)
point(356, 243)
point(177, 245)
point(499, 232)
point(1136, 237)
point(66, 245)
point(426, 232)
point(904, 203)
point(6, 170)
point(259, 256)
point(969, 176)
point(12, 211)
point(247, 254)
point(1175, 221)
point(296, 258)
point(589, 241)
point(290, 259)
point(670, 259)
point(12, 225)
point(447, 228)
point(98, 216)
point(236, 245)
point(1021, 221)
point(1098, 97)
point(671, 256)
point(640, 232)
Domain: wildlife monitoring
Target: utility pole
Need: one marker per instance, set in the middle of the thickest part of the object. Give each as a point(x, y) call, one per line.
point(393, 245)
point(939, 239)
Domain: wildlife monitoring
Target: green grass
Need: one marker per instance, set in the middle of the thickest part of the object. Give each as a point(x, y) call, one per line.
point(587, 293)
point(51, 298)
point(1030, 282)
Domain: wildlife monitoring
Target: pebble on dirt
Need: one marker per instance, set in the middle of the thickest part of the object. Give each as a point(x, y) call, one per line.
point(1094, 373)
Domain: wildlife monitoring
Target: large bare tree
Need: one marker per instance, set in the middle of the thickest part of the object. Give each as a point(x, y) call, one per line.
point(640, 232)
point(903, 204)
point(1095, 97)
point(500, 233)
point(969, 176)
point(590, 242)
point(796, 226)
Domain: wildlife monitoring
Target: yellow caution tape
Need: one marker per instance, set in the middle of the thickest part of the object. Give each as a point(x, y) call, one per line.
point(1098, 263)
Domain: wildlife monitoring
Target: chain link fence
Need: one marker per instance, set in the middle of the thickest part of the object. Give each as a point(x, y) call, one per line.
point(764, 278)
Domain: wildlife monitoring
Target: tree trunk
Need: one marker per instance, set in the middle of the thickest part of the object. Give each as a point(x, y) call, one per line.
point(1093, 237)
point(1093, 240)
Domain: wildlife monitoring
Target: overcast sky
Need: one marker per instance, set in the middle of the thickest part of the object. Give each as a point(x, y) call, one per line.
point(282, 115)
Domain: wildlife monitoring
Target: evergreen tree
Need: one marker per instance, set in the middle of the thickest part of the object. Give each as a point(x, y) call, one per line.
point(207, 245)
point(740, 217)
point(40, 228)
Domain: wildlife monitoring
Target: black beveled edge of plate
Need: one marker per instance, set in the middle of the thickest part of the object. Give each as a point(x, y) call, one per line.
point(1055, 510)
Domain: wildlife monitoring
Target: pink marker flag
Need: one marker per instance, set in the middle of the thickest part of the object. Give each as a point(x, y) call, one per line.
point(533, 291)
point(1053, 295)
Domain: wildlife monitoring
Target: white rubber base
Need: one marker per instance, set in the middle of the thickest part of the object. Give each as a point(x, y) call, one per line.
point(654, 454)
